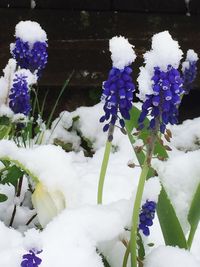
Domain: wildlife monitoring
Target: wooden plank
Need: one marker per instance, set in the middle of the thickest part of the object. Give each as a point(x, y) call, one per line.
point(82, 45)
point(157, 6)
point(170, 6)
point(59, 4)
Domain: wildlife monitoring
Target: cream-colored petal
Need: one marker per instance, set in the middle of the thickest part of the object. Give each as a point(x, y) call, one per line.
point(47, 204)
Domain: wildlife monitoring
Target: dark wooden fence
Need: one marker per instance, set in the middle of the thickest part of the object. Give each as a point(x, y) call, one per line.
point(79, 31)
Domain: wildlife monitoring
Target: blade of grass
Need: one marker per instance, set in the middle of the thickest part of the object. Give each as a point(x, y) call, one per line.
point(57, 100)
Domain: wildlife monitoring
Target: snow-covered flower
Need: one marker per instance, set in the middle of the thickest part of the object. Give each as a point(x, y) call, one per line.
point(146, 217)
point(118, 89)
point(30, 259)
point(47, 204)
point(30, 47)
point(160, 83)
point(189, 69)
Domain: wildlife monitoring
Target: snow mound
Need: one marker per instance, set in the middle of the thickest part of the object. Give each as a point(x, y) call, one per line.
point(122, 53)
point(170, 256)
point(30, 31)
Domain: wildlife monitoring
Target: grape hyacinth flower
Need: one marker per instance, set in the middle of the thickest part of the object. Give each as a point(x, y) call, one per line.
point(30, 47)
point(19, 97)
point(189, 70)
point(163, 103)
point(160, 83)
point(118, 89)
point(30, 259)
point(146, 216)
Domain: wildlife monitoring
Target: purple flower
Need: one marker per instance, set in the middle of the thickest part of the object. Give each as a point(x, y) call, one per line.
point(146, 216)
point(189, 75)
point(163, 103)
point(29, 57)
point(30, 259)
point(19, 98)
point(118, 96)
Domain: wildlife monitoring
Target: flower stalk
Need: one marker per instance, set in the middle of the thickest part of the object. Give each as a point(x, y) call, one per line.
point(105, 164)
point(138, 198)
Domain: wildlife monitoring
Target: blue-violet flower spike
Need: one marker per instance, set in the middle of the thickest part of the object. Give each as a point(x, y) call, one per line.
point(30, 259)
point(189, 69)
point(117, 96)
point(146, 216)
point(19, 98)
point(163, 103)
point(33, 58)
point(118, 89)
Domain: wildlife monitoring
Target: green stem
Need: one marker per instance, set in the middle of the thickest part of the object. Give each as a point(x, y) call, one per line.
point(191, 237)
point(126, 255)
point(136, 210)
point(138, 198)
point(103, 171)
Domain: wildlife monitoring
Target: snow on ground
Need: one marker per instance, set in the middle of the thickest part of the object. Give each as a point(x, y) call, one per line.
point(72, 236)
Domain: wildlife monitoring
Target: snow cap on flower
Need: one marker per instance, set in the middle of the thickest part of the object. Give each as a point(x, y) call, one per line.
point(30, 47)
point(30, 31)
point(122, 53)
point(164, 52)
point(192, 55)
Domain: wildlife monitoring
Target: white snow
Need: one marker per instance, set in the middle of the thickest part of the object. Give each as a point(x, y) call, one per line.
point(6, 81)
point(81, 226)
point(30, 31)
point(181, 174)
point(164, 51)
point(165, 256)
point(122, 53)
point(191, 56)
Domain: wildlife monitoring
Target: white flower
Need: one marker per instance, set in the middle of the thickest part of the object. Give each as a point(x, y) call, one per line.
point(47, 204)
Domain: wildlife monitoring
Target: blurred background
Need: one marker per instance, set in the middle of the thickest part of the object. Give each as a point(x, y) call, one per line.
point(79, 33)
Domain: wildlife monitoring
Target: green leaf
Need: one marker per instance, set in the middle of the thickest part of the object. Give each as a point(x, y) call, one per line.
point(3, 197)
point(4, 121)
point(141, 250)
point(4, 131)
point(194, 215)
point(171, 228)
point(14, 173)
point(170, 225)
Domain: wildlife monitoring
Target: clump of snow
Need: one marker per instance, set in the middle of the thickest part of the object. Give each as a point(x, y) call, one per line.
point(186, 136)
point(30, 31)
point(82, 230)
point(180, 176)
point(50, 163)
point(122, 53)
point(33, 4)
point(165, 256)
point(60, 129)
point(164, 51)
point(191, 56)
point(152, 190)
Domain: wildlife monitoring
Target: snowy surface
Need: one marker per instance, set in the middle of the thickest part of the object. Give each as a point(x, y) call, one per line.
point(170, 256)
point(164, 51)
point(30, 31)
point(82, 226)
point(122, 53)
